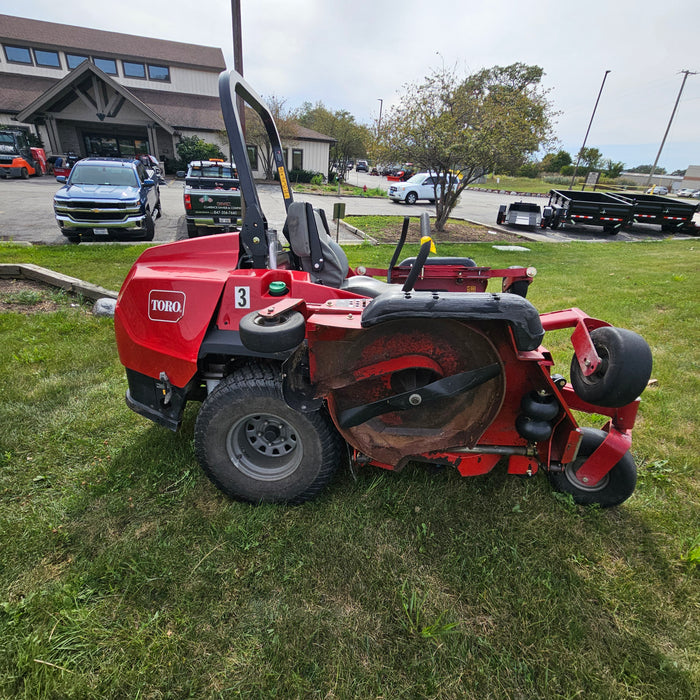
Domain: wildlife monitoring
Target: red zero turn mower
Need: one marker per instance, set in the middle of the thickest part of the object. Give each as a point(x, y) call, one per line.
point(299, 361)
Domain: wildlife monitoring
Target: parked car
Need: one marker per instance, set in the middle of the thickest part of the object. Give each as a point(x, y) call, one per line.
point(657, 189)
point(420, 186)
point(685, 192)
point(107, 197)
point(362, 166)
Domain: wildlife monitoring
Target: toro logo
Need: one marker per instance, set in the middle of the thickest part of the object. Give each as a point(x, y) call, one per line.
point(164, 305)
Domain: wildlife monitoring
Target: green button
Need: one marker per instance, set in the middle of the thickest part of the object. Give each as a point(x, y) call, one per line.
point(277, 289)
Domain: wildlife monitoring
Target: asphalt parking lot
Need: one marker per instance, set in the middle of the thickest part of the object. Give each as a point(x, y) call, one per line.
point(26, 211)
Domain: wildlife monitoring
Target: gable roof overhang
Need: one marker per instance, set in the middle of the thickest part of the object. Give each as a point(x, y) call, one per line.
point(75, 86)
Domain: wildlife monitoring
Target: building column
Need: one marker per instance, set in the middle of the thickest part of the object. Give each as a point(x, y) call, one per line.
point(153, 139)
point(52, 131)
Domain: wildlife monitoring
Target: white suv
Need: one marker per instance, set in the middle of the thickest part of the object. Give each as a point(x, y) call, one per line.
point(420, 186)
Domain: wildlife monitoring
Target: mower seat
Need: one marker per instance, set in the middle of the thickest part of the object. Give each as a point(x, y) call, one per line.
point(512, 309)
point(320, 256)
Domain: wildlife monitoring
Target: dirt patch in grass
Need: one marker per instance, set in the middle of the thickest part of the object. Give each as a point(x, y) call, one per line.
point(29, 297)
point(387, 229)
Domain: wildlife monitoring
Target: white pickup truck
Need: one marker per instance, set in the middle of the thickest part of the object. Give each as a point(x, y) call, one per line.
point(420, 186)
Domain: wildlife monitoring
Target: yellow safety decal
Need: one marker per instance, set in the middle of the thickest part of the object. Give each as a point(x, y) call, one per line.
point(283, 182)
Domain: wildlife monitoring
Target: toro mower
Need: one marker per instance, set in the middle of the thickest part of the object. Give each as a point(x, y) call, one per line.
point(302, 364)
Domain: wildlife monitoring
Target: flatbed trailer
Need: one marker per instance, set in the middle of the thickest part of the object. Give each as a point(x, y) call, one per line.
point(590, 208)
point(670, 214)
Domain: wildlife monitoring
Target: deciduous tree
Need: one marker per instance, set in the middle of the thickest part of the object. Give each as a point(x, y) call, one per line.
point(351, 138)
point(257, 136)
point(460, 128)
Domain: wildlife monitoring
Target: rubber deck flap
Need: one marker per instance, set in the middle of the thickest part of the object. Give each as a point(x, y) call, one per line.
point(518, 312)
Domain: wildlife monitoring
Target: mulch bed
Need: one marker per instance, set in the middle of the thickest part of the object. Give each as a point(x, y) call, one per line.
point(26, 297)
point(455, 232)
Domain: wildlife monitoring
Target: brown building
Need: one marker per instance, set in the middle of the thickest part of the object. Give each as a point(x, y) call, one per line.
point(93, 92)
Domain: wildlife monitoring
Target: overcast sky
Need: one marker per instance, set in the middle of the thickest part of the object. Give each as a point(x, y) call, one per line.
point(349, 55)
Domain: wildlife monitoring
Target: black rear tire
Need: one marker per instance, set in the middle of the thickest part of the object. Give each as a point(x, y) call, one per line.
point(624, 371)
point(614, 488)
point(255, 448)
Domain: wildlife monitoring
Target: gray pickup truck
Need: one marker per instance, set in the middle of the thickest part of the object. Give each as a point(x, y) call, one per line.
point(212, 197)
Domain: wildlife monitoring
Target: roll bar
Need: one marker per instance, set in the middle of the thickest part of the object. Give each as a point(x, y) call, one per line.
point(254, 229)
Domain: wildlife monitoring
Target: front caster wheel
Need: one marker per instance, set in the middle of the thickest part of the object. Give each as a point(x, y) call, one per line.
point(614, 488)
point(255, 448)
point(624, 370)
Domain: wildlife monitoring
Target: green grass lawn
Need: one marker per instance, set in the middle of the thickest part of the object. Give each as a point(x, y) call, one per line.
point(125, 574)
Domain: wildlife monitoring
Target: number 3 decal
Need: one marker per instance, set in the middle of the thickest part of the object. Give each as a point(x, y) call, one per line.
point(242, 297)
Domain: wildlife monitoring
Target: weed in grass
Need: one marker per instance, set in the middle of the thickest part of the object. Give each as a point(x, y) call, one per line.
point(415, 614)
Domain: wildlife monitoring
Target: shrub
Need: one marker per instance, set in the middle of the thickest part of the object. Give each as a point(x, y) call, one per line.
point(303, 175)
point(193, 148)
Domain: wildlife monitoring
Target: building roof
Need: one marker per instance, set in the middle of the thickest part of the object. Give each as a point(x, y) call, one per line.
point(184, 111)
point(109, 44)
point(304, 134)
point(20, 90)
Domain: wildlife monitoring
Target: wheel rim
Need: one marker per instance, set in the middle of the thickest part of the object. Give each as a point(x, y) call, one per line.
point(265, 447)
point(573, 479)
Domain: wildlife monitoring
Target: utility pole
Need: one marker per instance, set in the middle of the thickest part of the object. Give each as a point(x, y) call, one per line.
point(686, 73)
point(238, 54)
point(379, 122)
point(585, 138)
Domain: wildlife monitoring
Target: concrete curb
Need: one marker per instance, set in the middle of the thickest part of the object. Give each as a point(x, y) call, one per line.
point(56, 279)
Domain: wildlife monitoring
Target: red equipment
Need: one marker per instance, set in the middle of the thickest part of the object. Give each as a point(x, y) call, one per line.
point(293, 355)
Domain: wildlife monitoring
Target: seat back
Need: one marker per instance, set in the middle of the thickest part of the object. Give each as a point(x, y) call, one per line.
point(311, 243)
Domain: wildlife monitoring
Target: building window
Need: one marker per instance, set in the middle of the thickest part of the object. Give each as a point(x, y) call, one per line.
point(74, 60)
point(108, 65)
point(49, 59)
point(297, 159)
point(18, 54)
point(133, 70)
point(253, 157)
point(159, 73)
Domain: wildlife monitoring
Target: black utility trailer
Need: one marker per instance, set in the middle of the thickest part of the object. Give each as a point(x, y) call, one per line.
point(590, 208)
point(670, 214)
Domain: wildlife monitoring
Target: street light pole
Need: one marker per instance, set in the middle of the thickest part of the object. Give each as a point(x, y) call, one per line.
point(379, 122)
point(585, 138)
point(686, 73)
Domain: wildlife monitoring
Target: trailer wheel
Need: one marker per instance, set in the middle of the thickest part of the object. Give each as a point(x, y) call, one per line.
point(614, 488)
point(624, 370)
point(255, 448)
point(282, 332)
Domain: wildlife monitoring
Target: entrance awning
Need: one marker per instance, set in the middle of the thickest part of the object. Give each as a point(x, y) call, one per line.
point(102, 97)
